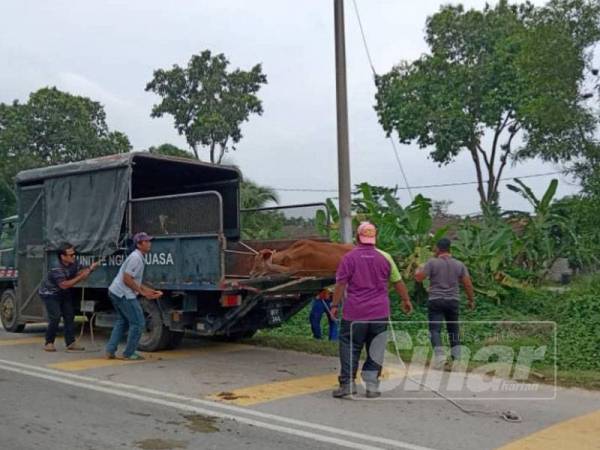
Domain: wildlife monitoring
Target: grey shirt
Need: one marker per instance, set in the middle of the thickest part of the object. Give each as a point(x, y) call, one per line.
point(134, 266)
point(445, 274)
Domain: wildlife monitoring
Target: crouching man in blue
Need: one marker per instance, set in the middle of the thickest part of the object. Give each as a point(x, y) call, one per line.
point(55, 292)
point(322, 305)
point(123, 293)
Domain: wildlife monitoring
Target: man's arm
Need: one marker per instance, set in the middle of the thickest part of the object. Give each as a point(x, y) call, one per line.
point(420, 274)
point(468, 285)
point(144, 291)
point(400, 288)
point(338, 294)
point(81, 275)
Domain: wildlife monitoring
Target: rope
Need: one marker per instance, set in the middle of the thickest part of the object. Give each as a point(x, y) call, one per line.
point(509, 416)
point(248, 247)
point(94, 348)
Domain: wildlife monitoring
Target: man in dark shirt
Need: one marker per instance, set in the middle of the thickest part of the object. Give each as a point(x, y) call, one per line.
point(445, 273)
point(55, 292)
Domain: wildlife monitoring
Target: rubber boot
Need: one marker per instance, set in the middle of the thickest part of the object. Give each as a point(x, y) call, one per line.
point(344, 390)
point(372, 385)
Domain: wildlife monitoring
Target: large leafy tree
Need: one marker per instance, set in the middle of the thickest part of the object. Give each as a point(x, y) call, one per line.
point(502, 84)
point(170, 150)
point(52, 127)
point(208, 103)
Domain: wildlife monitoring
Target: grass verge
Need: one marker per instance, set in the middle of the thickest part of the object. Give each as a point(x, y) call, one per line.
point(575, 311)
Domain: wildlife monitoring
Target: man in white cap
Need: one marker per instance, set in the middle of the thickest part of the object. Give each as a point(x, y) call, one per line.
point(364, 274)
point(123, 293)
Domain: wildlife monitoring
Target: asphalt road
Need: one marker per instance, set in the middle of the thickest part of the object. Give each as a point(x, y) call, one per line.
point(39, 414)
point(230, 396)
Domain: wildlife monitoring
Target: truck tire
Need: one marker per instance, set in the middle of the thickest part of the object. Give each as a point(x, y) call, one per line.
point(9, 312)
point(156, 336)
point(175, 339)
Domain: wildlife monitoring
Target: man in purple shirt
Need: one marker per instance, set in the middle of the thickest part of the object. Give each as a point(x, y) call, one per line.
point(364, 274)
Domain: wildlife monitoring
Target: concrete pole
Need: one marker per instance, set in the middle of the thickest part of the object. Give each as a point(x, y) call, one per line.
point(344, 186)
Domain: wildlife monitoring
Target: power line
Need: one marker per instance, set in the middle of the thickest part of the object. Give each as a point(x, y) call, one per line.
point(364, 40)
point(433, 186)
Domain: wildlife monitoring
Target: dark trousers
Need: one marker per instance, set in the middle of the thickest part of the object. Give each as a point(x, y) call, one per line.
point(57, 306)
point(356, 335)
point(440, 310)
point(320, 307)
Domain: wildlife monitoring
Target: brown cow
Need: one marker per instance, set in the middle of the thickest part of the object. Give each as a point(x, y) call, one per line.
point(301, 258)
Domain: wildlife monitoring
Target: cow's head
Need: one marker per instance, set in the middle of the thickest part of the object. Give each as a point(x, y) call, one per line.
point(262, 263)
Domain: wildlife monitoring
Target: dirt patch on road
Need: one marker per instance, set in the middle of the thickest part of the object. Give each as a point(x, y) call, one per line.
point(200, 423)
point(229, 396)
point(160, 444)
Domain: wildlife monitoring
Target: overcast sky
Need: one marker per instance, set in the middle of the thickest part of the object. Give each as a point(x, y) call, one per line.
point(107, 50)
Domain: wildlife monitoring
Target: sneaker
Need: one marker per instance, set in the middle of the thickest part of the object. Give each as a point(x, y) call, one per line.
point(75, 347)
point(109, 355)
point(49, 347)
point(134, 357)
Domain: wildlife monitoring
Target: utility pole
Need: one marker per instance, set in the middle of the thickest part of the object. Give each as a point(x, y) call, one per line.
point(344, 187)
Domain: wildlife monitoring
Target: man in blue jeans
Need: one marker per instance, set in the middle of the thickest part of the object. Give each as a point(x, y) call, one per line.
point(123, 293)
point(322, 305)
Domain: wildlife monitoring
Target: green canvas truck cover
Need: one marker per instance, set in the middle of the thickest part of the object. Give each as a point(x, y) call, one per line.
point(85, 202)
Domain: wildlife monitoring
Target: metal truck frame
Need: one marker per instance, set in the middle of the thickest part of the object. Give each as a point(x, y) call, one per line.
point(193, 211)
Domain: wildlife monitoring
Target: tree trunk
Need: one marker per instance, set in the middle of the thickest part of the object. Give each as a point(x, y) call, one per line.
point(195, 150)
point(221, 154)
point(480, 188)
point(212, 152)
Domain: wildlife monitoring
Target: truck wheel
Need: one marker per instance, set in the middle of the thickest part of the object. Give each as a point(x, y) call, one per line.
point(156, 336)
point(175, 339)
point(9, 312)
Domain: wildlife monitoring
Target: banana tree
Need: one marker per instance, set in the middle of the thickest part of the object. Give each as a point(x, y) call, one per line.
point(488, 248)
point(544, 230)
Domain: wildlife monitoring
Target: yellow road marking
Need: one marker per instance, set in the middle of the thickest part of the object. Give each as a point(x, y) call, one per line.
point(95, 363)
point(91, 363)
point(582, 433)
point(22, 341)
point(262, 393)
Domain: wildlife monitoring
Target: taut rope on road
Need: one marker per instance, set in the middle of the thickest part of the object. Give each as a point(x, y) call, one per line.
point(508, 415)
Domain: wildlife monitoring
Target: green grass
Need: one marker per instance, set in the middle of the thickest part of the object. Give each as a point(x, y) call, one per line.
point(576, 313)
